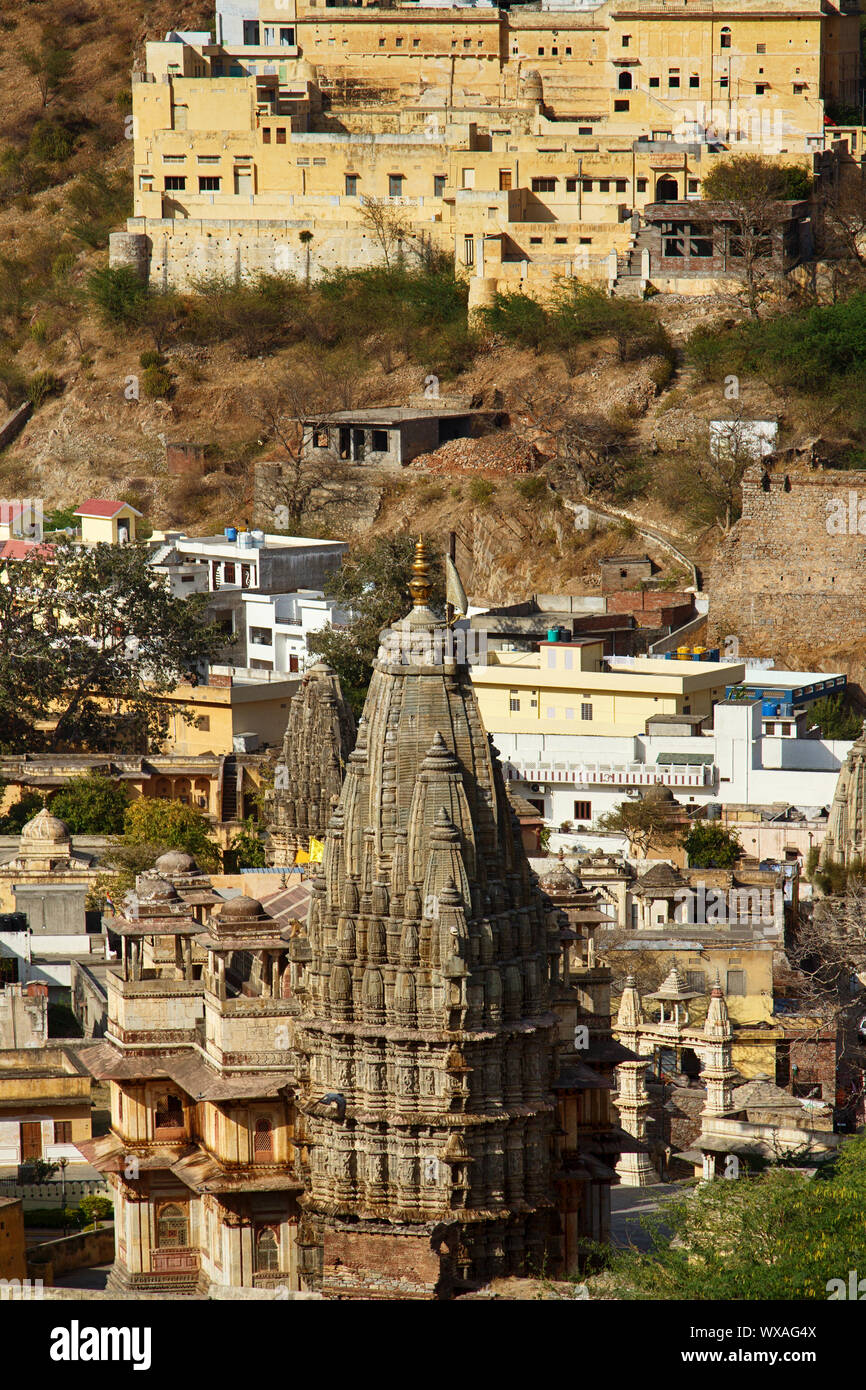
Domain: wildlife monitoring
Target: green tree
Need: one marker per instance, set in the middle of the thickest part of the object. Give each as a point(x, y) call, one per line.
point(374, 583)
point(20, 812)
point(836, 718)
point(91, 640)
point(247, 846)
point(778, 1235)
point(710, 846)
point(92, 805)
point(160, 824)
point(646, 823)
point(119, 295)
point(48, 64)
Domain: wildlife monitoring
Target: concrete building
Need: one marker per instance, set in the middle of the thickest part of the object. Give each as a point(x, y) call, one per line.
point(107, 522)
point(389, 436)
point(279, 626)
point(44, 1106)
point(526, 143)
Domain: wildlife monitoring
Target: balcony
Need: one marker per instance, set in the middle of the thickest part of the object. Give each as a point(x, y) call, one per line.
point(614, 774)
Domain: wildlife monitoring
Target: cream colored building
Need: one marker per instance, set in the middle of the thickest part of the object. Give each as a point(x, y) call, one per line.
point(562, 689)
point(104, 521)
point(523, 142)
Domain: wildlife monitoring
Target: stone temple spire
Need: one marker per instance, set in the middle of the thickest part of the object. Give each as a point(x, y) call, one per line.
point(319, 737)
point(426, 1039)
point(846, 827)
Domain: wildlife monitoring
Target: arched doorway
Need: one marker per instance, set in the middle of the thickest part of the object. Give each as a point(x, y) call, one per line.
point(625, 82)
point(666, 189)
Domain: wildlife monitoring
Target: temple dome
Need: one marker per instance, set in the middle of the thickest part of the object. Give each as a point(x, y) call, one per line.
point(46, 828)
point(241, 909)
point(560, 879)
point(175, 861)
point(151, 888)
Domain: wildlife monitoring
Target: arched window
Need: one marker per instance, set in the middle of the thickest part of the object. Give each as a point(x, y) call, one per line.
point(267, 1251)
point(169, 1112)
point(725, 37)
point(765, 482)
point(172, 1231)
point(263, 1140)
point(625, 81)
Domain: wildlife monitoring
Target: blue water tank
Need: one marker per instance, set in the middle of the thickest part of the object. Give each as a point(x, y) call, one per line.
point(553, 634)
point(231, 533)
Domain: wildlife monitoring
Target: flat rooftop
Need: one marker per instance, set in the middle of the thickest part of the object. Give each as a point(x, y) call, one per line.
point(758, 675)
point(269, 542)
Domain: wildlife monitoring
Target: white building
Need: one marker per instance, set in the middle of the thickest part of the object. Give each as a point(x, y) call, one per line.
point(279, 626)
point(577, 778)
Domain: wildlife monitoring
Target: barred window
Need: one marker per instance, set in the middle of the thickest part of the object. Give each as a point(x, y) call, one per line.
point(169, 1112)
point(172, 1230)
point(267, 1251)
point(263, 1141)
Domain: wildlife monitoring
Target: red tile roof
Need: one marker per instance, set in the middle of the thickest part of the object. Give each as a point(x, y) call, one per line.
point(19, 550)
point(102, 506)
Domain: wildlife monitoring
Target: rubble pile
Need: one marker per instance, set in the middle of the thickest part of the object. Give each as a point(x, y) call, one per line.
point(492, 453)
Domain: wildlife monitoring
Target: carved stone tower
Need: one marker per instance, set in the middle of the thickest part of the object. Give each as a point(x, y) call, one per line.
point(319, 737)
point(845, 839)
point(426, 1042)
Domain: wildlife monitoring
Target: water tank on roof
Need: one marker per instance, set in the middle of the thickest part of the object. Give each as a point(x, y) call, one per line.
point(231, 533)
point(245, 540)
point(257, 539)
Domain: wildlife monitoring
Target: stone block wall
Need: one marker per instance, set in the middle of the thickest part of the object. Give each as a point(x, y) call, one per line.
point(792, 572)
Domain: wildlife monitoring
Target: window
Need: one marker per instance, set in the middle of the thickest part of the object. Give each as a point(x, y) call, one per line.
point(654, 81)
point(673, 77)
point(723, 81)
point(267, 1251)
point(584, 130)
point(263, 1140)
point(696, 979)
point(624, 81)
point(626, 40)
point(536, 241)
point(585, 241)
point(694, 185)
point(351, 185)
point(379, 441)
point(228, 572)
point(251, 33)
point(736, 982)
point(287, 38)
point(694, 80)
point(171, 1228)
point(169, 1113)
point(725, 37)
point(395, 185)
point(209, 183)
point(281, 135)
point(641, 185)
point(398, 43)
point(469, 250)
point(381, 43)
point(571, 185)
point(560, 240)
point(587, 185)
point(203, 723)
point(799, 88)
point(208, 158)
point(568, 52)
point(760, 88)
point(583, 810)
point(63, 1131)
point(262, 636)
point(304, 163)
point(621, 185)
point(467, 43)
point(786, 730)
point(544, 185)
point(604, 185)
point(761, 48)
point(439, 181)
point(620, 106)
point(174, 159)
point(586, 711)
point(266, 135)
point(416, 43)
point(514, 702)
point(467, 178)
point(175, 183)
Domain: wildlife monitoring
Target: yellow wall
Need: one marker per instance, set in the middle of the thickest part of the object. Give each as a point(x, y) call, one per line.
point(620, 701)
point(221, 712)
point(96, 530)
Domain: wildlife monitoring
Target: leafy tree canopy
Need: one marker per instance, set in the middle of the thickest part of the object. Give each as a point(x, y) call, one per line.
point(710, 846)
point(91, 641)
point(92, 805)
point(154, 821)
point(751, 177)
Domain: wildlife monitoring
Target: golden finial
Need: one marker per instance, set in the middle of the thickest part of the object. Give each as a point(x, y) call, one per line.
point(419, 584)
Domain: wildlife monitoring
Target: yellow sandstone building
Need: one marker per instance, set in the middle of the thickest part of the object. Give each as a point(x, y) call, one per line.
point(524, 142)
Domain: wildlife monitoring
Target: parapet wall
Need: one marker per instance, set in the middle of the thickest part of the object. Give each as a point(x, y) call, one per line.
point(793, 569)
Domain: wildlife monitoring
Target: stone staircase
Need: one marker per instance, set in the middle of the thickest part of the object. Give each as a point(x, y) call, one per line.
point(630, 282)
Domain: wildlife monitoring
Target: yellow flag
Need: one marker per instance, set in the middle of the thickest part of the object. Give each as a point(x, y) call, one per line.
point(302, 857)
point(317, 849)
